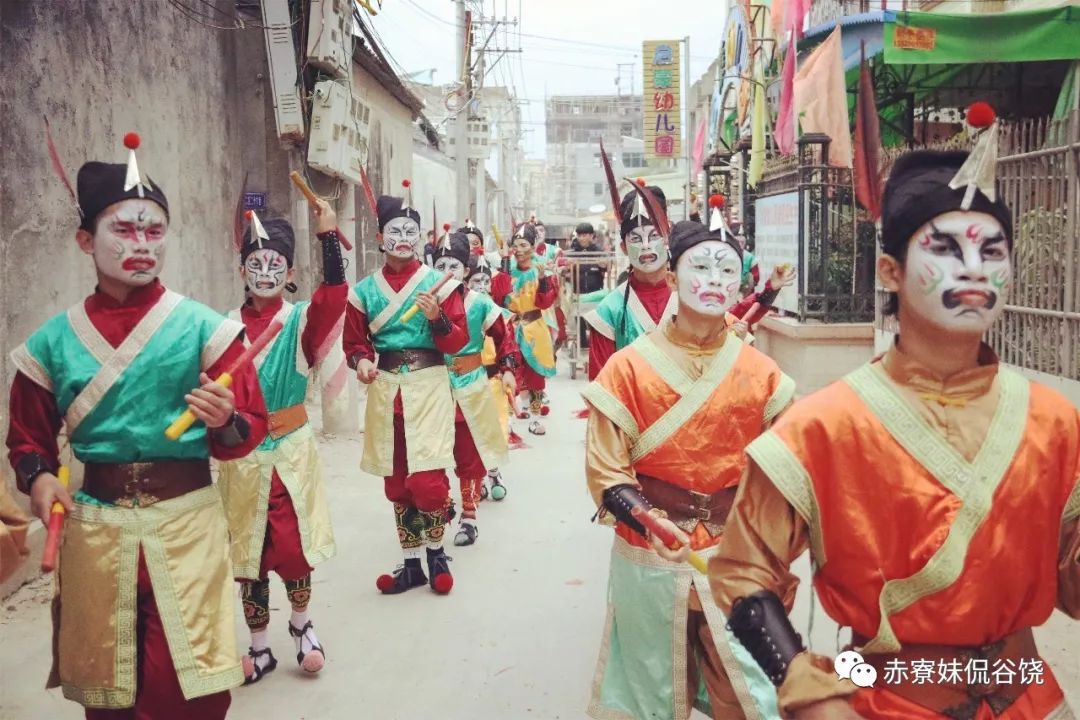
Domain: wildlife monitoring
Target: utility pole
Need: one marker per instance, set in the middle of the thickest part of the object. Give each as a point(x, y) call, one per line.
point(461, 147)
point(481, 162)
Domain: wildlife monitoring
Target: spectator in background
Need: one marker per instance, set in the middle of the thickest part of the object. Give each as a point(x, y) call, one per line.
point(586, 277)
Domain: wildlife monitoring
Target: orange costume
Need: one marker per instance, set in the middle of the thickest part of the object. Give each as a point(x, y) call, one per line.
point(941, 515)
point(672, 418)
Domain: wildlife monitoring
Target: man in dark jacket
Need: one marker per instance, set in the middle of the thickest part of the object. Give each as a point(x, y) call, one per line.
point(586, 277)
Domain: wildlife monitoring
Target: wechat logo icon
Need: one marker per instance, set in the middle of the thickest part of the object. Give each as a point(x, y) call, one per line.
point(849, 665)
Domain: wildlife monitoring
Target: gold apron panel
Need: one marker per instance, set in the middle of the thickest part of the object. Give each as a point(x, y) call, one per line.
point(428, 409)
point(482, 416)
point(185, 544)
point(245, 489)
point(502, 405)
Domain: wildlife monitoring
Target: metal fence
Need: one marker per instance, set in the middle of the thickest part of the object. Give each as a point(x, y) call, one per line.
point(1038, 173)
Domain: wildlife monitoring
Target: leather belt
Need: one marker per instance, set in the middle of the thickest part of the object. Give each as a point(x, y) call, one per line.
point(410, 359)
point(286, 420)
point(961, 699)
point(145, 483)
point(531, 315)
point(465, 364)
point(686, 508)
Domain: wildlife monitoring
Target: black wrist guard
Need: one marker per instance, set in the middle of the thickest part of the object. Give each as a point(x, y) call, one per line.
point(505, 265)
point(333, 265)
point(441, 325)
point(28, 469)
point(761, 624)
point(621, 500)
point(544, 284)
point(768, 295)
point(509, 363)
point(235, 432)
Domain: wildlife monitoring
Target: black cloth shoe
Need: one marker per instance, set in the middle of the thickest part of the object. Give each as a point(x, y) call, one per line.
point(406, 577)
point(438, 564)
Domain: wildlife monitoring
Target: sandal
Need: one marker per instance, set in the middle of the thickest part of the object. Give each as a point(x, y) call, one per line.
point(537, 428)
point(302, 658)
point(256, 672)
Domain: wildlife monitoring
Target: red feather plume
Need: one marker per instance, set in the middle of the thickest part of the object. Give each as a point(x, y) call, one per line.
point(613, 186)
point(656, 210)
point(369, 193)
point(238, 217)
point(58, 166)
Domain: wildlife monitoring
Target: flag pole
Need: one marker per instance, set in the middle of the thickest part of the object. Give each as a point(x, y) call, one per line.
point(686, 127)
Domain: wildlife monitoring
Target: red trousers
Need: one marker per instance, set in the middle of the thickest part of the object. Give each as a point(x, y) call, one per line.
point(158, 696)
point(532, 380)
point(428, 490)
point(468, 467)
point(283, 552)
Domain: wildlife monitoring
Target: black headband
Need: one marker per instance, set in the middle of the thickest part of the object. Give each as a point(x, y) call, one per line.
point(685, 234)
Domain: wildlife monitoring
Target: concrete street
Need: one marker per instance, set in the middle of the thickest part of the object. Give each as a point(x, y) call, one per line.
point(516, 639)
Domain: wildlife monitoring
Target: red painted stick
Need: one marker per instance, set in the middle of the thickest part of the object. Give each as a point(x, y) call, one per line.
point(668, 538)
point(56, 526)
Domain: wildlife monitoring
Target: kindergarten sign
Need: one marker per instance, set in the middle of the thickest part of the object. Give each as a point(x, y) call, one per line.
point(661, 100)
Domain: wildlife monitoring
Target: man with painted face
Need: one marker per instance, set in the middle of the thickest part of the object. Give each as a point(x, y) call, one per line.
point(479, 442)
point(935, 488)
point(526, 289)
point(640, 304)
point(670, 417)
point(409, 419)
point(274, 498)
point(145, 547)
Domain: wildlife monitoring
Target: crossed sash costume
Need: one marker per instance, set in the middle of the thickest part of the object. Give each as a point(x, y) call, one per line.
point(671, 419)
point(155, 556)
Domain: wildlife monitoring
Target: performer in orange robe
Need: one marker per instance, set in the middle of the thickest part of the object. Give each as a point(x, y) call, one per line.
point(936, 490)
point(670, 417)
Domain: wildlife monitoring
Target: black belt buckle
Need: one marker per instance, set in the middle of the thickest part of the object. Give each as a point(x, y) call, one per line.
point(700, 505)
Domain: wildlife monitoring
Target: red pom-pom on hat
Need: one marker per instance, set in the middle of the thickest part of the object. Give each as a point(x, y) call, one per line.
point(716, 201)
point(249, 214)
point(406, 183)
point(446, 226)
point(980, 114)
point(640, 181)
point(132, 140)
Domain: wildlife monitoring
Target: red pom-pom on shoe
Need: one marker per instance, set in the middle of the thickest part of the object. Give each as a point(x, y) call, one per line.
point(544, 410)
point(716, 201)
point(406, 183)
point(443, 583)
point(132, 141)
point(980, 114)
point(385, 582)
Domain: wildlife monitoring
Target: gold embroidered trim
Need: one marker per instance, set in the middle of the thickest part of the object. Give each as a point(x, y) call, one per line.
point(355, 301)
point(29, 366)
point(396, 300)
point(220, 340)
point(640, 314)
point(492, 317)
point(447, 289)
point(193, 683)
point(282, 316)
point(479, 415)
point(470, 300)
point(973, 483)
point(599, 324)
point(718, 626)
point(118, 359)
point(596, 709)
point(245, 467)
point(92, 340)
point(780, 399)
point(691, 401)
point(601, 398)
point(668, 370)
point(789, 476)
point(679, 649)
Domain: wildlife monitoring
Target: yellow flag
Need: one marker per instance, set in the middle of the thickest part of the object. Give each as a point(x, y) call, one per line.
point(757, 139)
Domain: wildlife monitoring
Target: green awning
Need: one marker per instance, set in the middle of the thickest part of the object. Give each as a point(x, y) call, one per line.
point(913, 38)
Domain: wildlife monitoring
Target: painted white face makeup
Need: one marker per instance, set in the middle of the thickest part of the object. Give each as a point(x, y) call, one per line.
point(401, 238)
point(129, 244)
point(523, 252)
point(480, 283)
point(452, 266)
point(646, 249)
point(541, 233)
point(958, 272)
point(266, 272)
point(708, 276)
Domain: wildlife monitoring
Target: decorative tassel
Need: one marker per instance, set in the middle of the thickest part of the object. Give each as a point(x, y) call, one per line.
point(133, 178)
point(406, 203)
point(257, 228)
point(978, 171)
point(716, 217)
point(446, 236)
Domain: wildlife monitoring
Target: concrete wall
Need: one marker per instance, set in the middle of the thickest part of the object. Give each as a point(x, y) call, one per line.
point(434, 179)
point(814, 355)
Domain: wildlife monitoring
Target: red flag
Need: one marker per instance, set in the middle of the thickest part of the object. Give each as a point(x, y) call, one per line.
point(867, 146)
point(785, 119)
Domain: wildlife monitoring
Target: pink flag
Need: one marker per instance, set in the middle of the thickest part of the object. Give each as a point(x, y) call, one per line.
point(699, 148)
point(785, 119)
point(776, 18)
point(796, 14)
point(821, 98)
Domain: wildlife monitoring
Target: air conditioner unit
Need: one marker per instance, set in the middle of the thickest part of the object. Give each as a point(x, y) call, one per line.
point(330, 38)
point(281, 57)
point(340, 127)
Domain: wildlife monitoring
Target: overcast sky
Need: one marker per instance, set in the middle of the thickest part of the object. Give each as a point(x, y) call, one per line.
point(581, 44)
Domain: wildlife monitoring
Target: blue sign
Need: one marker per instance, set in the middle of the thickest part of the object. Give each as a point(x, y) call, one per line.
point(254, 201)
point(663, 55)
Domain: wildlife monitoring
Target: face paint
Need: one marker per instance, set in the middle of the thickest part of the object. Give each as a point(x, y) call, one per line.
point(523, 252)
point(958, 272)
point(541, 233)
point(480, 283)
point(129, 244)
point(401, 238)
point(646, 249)
point(474, 240)
point(452, 266)
point(266, 272)
point(708, 277)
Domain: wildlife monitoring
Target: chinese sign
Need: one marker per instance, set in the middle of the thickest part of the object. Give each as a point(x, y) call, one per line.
point(912, 38)
point(254, 201)
point(661, 100)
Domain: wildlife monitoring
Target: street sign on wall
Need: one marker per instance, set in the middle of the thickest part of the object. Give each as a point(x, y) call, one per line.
point(661, 99)
point(776, 241)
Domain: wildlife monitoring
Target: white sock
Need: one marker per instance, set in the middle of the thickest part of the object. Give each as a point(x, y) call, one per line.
point(438, 545)
point(413, 554)
point(299, 619)
point(306, 642)
point(260, 639)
